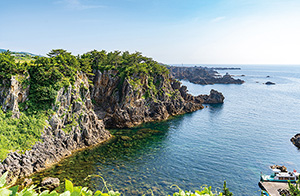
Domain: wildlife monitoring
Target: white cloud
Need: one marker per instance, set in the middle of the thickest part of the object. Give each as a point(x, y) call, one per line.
point(78, 5)
point(218, 19)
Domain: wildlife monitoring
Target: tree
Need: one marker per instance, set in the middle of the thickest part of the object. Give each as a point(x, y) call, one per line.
point(226, 191)
point(56, 52)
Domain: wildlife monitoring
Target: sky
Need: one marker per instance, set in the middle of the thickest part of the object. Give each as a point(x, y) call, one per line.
point(169, 31)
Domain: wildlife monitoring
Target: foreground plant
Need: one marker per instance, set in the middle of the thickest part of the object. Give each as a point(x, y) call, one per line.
point(71, 190)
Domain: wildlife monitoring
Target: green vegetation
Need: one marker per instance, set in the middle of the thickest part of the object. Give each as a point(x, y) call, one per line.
point(71, 190)
point(9, 67)
point(19, 134)
point(20, 56)
point(128, 66)
point(294, 189)
point(47, 75)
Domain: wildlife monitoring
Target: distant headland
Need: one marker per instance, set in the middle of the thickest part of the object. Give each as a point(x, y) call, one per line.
point(203, 75)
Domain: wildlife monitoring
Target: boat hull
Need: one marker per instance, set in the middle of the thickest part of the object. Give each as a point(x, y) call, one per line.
point(268, 178)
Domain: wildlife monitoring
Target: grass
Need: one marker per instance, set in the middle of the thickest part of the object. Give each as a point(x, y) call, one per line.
point(19, 134)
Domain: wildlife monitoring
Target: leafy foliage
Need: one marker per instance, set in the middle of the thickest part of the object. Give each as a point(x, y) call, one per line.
point(48, 75)
point(9, 67)
point(226, 191)
point(294, 189)
point(19, 134)
point(125, 63)
point(71, 190)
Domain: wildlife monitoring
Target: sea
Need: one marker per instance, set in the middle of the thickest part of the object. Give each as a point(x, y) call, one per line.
point(233, 142)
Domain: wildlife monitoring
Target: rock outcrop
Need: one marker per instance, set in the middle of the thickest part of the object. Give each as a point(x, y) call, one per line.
point(202, 75)
point(79, 107)
point(132, 102)
point(50, 183)
point(74, 126)
point(270, 83)
point(296, 140)
point(282, 168)
point(11, 93)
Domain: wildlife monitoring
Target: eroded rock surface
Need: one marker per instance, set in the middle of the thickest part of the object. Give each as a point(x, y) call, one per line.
point(131, 103)
point(11, 93)
point(74, 126)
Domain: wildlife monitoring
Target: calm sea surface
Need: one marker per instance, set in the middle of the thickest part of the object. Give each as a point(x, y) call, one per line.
point(234, 141)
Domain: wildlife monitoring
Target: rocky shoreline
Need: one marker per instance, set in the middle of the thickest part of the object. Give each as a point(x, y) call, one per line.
point(83, 110)
point(202, 75)
point(74, 105)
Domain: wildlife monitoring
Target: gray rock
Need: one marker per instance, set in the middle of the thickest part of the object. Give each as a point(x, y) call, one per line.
point(50, 183)
point(296, 140)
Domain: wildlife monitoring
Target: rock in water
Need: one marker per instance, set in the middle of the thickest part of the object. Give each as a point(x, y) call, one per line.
point(50, 183)
point(296, 140)
point(270, 83)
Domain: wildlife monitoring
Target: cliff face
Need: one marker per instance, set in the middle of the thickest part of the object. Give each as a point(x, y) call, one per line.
point(76, 123)
point(134, 102)
point(204, 76)
point(12, 93)
point(74, 126)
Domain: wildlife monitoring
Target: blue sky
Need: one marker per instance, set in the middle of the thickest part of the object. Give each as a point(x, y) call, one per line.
point(170, 31)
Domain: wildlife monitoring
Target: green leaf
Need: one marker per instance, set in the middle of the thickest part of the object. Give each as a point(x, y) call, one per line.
point(5, 192)
point(14, 190)
point(44, 193)
point(98, 193)
point(53, 193)
point(75, 194)
point(68, 186)
point(67, 193)
point(3, 179)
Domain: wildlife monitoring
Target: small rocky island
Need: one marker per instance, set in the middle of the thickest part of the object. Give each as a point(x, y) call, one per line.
point(202, 75)
point(296, 140)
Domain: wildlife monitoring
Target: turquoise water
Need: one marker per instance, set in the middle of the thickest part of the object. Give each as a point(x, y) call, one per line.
point(234, 141)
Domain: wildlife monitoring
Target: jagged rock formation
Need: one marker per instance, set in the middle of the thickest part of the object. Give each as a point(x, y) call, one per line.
point(296, 140)
point(74, 126)
point(201, 75)
point(130, 103)
point(282, 168)
point(12, 93)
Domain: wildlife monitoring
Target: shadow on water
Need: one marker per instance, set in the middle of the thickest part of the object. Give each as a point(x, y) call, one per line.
point(129, 162)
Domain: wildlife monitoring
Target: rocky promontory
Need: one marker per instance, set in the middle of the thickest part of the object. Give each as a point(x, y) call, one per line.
point(81, 97)
point(133, 103)
point(202, 75)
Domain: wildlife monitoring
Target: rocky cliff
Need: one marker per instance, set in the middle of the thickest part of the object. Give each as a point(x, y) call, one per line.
point(75, 123)
point(72, 127)
point(202, 75)
point(134, 101)
point(11, 93)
